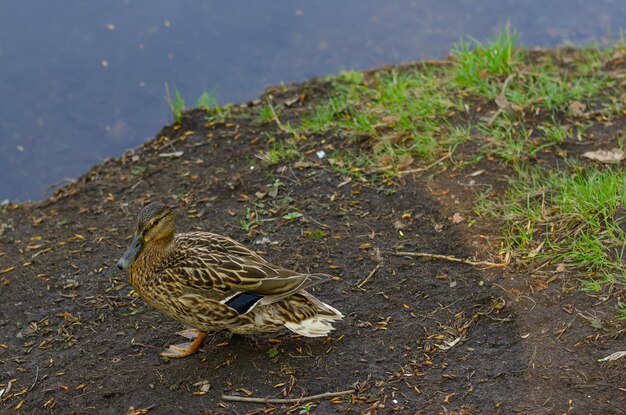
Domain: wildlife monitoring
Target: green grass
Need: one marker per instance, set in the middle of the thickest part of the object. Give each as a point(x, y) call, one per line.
point(403, 115)
point(554, 132)
point(406, 114)
point(621, 310)
point(553, 91)
point(177, 104)
point(266, 113)
point(573, 218)
point(477, 66)
point(208, 103)
point(279, 152)
point(249, 220)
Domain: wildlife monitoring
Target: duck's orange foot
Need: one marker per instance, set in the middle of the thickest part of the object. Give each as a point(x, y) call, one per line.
point(177, 351)
point(189, 333)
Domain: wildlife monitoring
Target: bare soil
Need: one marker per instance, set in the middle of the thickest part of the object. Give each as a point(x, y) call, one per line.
point(420, 336)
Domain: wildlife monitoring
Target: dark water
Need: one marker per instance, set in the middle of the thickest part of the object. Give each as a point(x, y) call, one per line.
point(84, 80)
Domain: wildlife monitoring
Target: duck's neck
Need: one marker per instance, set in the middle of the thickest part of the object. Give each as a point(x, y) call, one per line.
point(151, 259)
point(158, 251)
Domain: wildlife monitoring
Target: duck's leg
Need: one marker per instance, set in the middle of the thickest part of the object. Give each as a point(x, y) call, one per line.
point(185, 349)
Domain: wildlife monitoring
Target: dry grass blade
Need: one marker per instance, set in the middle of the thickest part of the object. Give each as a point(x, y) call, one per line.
point(449, 258)
point(286, 400)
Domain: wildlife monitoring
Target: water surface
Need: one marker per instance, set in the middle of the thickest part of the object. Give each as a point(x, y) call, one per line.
point(81, 81)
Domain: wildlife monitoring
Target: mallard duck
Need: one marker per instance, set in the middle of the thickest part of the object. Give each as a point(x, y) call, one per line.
point(213, 283)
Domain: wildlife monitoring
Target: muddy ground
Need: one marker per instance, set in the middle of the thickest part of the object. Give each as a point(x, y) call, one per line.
point(421, 336)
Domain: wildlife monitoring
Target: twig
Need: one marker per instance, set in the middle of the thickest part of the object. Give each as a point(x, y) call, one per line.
point(448, 258)
point(36, 379)
point(287, 400)
point(362, 283)
point(567, 326)
point(614, 356)
point(431, 165)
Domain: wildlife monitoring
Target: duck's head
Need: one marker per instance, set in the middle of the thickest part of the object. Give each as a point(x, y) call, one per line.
point(155, 227)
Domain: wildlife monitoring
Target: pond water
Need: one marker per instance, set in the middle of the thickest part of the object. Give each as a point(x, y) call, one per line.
point(81, 81)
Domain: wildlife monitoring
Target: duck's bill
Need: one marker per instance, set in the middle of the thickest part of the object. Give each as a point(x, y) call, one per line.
point(131, 254)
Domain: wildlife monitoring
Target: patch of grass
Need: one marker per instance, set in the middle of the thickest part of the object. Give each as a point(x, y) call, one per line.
point(506, 138)
point(554, 91)
point(177, 104)
point(249, 220)
point(554, 132)
point(137, 171)
point(292, 215)
point(621, 310)
point(402, 114)
point(266, 113)
point(513, 141)
point(315, 234)
point(307, 408)
point(327, 116)
point(570, 218)
point(208, 102)
point(589, 60)
point(279, 152)
point(476, 65)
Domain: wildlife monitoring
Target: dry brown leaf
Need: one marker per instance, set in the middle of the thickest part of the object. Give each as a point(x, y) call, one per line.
point(606, 156)
point(405, 162)
point(302, 164)
point(477, 173)
point(577, 108)
point(398, 224)
point(457, 218)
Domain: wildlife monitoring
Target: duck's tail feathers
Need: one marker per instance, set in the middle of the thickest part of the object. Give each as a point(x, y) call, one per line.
point(319, 325)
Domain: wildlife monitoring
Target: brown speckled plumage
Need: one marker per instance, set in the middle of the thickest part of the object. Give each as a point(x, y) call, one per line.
point(191, 276)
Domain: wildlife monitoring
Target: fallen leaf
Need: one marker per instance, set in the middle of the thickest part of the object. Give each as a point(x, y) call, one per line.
point(596, 323)
point(405, 162)
point(457, 218)
point(606, 156)
point(536, 250)
point(398, 224)
point(302, 164)
point(273, 192)
point(577, 108)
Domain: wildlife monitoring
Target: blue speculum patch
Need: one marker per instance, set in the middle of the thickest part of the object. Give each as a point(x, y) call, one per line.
point(243, 302)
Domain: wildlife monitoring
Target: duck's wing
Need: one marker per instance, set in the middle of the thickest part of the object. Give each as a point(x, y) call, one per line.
point(213, 262)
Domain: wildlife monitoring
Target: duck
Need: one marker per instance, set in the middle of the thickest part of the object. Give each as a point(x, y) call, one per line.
point(212, 283)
